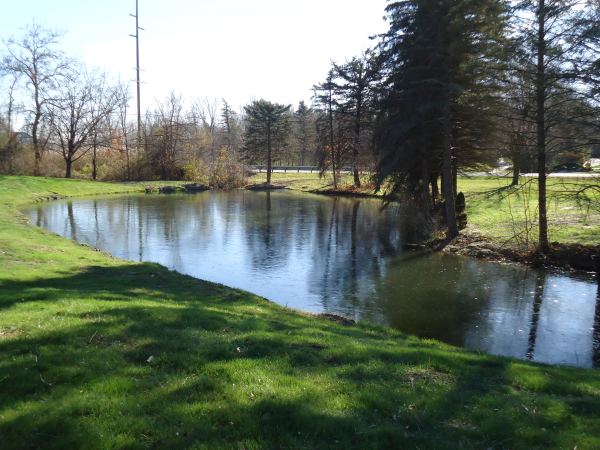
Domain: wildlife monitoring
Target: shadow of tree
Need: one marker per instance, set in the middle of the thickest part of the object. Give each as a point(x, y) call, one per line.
point(134, 356)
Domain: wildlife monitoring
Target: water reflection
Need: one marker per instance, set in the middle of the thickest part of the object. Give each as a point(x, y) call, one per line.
point(538, 297)
point(596, 332)
point(345, 256)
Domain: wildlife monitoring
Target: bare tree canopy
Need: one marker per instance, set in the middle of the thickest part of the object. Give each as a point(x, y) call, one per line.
point(39, 66)
point(85, 101)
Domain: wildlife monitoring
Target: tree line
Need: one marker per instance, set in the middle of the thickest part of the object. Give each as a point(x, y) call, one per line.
point(61, 118)
point(452, 86)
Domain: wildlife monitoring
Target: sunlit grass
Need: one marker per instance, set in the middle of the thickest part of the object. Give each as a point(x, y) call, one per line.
point(504, 212)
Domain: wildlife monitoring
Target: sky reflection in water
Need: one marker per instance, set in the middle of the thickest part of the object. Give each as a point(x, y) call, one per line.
point(343, 256)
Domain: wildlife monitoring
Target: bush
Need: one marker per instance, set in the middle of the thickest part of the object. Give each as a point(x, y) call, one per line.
point(226, 174)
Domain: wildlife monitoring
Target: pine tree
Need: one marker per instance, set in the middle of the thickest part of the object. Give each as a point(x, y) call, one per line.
point(325, 97)
point(304, 130)
point(269, 126)
point(440, 57)
point(355, 98)
point(228, 117)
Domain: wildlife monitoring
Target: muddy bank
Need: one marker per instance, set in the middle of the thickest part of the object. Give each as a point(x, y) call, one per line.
point(564, 256)
point(349, 192)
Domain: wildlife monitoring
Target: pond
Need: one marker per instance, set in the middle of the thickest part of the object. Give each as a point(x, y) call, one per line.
point(343, 256)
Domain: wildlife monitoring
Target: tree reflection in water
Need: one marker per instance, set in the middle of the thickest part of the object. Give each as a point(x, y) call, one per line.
point(344, 256)
point(596, 330)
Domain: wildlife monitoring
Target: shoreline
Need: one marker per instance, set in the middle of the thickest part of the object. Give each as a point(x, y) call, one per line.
point(567, 257)
point(471, 243)
point(563, 257)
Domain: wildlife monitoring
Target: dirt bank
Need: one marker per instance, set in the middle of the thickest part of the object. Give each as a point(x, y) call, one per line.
point(565, 256)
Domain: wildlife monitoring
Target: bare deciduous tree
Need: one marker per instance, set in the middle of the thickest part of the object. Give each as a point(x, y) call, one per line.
point(207, 111)
point(84, 102)
point(33, 59)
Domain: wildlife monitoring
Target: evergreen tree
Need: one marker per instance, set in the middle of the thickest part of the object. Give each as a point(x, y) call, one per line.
point(440, 57)
point(304, 130)
point(228, 116)
point(355, 98)
point(269, 126)
point(324, 95)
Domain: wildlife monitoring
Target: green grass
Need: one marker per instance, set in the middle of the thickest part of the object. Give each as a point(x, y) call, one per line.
point(101, 353)
point(310, 182)
point(509, 214)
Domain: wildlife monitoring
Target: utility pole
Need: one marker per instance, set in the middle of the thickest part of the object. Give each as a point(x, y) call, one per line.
point(137, 70)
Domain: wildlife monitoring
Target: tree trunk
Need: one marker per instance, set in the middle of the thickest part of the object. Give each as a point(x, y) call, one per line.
point(331, 141)
point(69, 161)
point(447, 174)
point(435, 192)
point(541, 127)
point(36, 146)
point(454, 177)
point(94, 158)
point(11, 144)
point(356, 143)
point(94, 170)
point(516, 169)
point(425, 179)
point(269, 151)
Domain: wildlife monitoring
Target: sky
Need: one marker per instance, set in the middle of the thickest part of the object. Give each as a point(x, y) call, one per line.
point(237, 50)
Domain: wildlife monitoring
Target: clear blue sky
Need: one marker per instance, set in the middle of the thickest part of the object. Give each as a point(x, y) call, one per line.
point(237, 50)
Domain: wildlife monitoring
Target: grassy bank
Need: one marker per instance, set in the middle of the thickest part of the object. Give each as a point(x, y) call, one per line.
point(102, 353)
point(509, 213)
point(309, 182)
point(503, 213)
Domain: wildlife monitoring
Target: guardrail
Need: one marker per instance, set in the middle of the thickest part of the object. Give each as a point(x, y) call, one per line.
point(297, 169)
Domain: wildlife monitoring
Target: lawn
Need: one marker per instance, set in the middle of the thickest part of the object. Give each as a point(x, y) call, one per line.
point(101, 353)
point(509, 214)
point(312, 182)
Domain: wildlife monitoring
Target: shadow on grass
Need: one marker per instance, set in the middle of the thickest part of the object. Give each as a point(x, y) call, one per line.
point(496, 193)
point(135, 357)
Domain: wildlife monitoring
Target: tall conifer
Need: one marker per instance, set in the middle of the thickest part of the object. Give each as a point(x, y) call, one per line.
point(440, 57)
point(269, 125)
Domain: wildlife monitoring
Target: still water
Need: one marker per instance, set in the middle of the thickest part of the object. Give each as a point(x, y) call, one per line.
point(343, 256)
